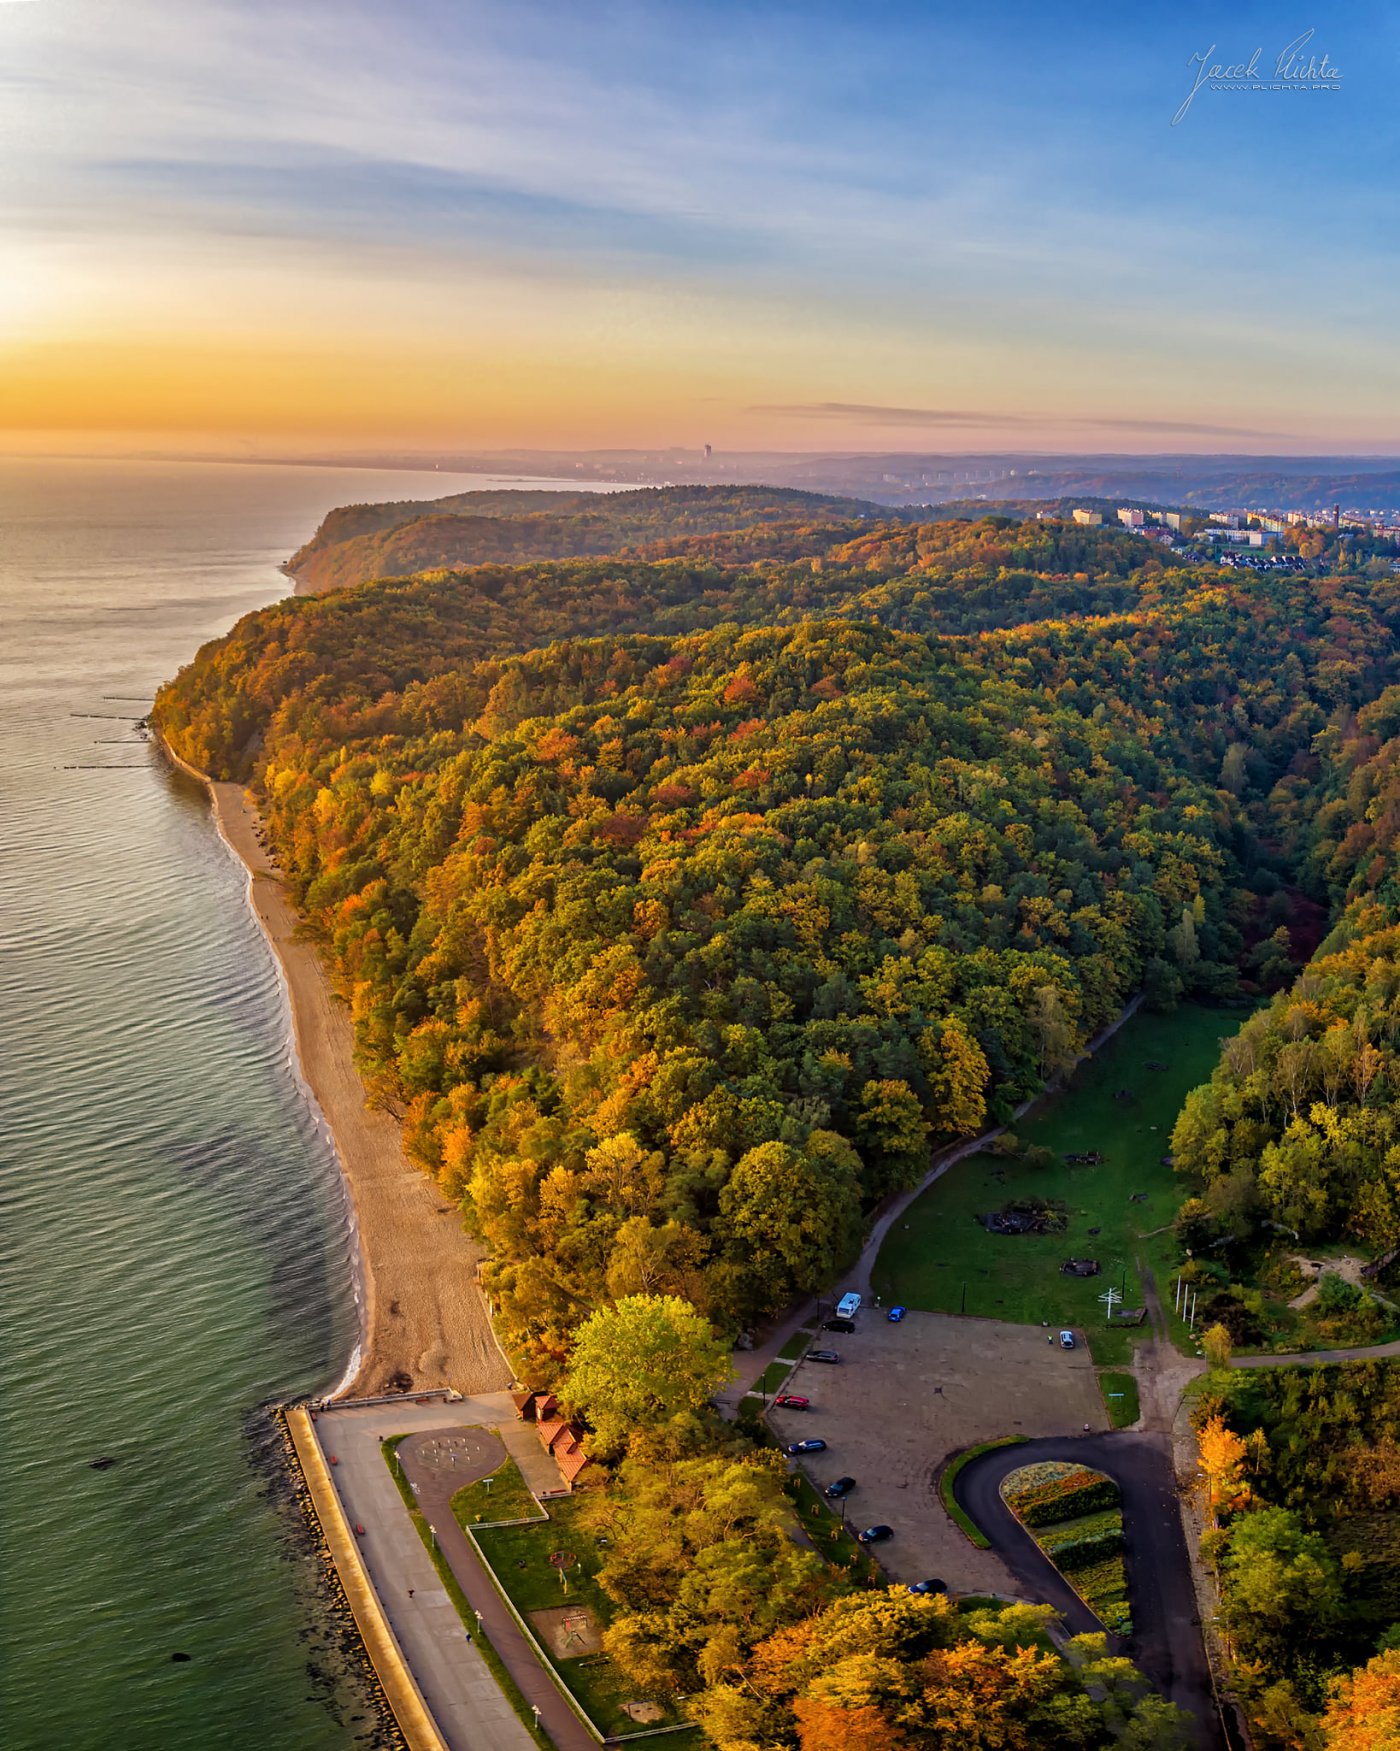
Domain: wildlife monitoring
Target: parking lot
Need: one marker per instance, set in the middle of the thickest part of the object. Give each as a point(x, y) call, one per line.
point(905, 1396)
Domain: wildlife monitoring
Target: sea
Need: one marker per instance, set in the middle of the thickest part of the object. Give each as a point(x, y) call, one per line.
point(176, 1249)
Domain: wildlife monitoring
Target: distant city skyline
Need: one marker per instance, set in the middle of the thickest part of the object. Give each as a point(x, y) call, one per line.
point(241, 227)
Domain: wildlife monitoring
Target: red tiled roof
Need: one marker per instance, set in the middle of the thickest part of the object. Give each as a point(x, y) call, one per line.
point(571, 1463)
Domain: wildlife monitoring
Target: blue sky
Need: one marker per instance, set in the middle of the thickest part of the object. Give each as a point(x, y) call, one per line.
point(825, 226)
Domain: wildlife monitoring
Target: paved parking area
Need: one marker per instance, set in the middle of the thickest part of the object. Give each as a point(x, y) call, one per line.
point(906, 1396)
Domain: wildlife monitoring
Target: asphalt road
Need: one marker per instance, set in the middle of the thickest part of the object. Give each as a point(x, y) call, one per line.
point(1167, 1642)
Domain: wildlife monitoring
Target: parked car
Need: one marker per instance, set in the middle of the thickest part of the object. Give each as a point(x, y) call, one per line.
point(1066, 1340)
point(838, 1325)
point(822, 1356)
point(928, 1586)
point(875, 1534)
point(842, 1487)
point(795, 1449)
point(791, 1401)
point(895, 1314)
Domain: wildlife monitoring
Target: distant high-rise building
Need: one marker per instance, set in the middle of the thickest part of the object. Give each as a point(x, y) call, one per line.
point(1131, 518)
point(1090, 519)
point(708, 452)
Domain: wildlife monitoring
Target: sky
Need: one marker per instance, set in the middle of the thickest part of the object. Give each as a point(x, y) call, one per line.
point(322, 224)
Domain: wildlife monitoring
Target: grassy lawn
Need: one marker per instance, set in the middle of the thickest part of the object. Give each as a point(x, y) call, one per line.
point(942, 1258)
point(519, 1557)
point(502, 1496)
point(1120, 1397)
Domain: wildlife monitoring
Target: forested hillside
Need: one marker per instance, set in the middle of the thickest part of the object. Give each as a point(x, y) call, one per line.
point(1300, 1127)
point(668, 940)
point(357, 543)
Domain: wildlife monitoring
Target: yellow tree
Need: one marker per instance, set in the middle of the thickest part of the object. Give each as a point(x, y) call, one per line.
point(1217, 1346)
point(1221, 1456)
point(958, 1075)
point(1363, 1713)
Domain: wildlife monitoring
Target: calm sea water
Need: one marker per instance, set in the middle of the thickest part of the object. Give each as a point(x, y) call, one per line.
point(174, 1241)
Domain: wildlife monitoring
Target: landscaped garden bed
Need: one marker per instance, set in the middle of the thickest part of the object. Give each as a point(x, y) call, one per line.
point(1075, 1516)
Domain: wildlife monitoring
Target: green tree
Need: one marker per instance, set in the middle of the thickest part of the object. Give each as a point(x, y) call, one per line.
point(637, 1365)
point(792, 1217)
point(1282, 1586)
point(893, 1132)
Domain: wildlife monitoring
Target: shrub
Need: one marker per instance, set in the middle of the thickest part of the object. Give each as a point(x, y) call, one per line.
point(1078, 1553)
point(1084, 1498)
point(1335, 1295)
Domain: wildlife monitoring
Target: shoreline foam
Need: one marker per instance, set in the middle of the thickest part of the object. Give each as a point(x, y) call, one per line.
point(421, 1313)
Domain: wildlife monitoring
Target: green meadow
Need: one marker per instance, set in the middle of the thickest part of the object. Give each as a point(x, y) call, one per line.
point(941, 1257)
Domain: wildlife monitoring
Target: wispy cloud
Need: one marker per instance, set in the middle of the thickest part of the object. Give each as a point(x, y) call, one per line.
point(953, 419)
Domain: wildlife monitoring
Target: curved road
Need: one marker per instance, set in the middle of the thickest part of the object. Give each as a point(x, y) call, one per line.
point(1167, 1642)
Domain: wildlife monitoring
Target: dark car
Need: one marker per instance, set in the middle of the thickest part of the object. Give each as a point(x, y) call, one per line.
point(791, 1401)
point(842, 1487)
point(928, 1586)
point(795, 1448)
point(822, 1356)
point(838, 1325)
point(875, 1534)
point(895, 1314)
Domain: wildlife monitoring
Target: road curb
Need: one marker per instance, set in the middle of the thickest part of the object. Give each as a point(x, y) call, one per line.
point(415, 1721)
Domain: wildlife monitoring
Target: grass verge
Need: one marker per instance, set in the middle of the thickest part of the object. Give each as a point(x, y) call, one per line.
point(494, 1663)
point(1120, 1397)
point(948, 1477)
point(830, 1538)
point(503, 1496)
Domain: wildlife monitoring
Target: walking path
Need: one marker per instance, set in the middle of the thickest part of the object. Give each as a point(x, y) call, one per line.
point(471, 1712)
point(1314, 1358)
point(435, 1485)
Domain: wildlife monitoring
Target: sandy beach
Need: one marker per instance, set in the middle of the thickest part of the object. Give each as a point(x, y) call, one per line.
point(422, 1314)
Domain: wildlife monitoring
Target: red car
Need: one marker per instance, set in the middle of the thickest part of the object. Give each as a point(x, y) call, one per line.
point(792, 1401)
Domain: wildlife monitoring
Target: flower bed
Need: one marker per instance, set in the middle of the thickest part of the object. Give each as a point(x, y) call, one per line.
point(1041, 1495)
point(1075, 1516)
point(1104, 1589)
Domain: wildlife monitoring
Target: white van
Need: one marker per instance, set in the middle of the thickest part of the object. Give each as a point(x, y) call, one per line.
point(848, 1306)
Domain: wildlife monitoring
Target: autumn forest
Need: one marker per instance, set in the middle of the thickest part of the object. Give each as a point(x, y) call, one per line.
point(693, 875)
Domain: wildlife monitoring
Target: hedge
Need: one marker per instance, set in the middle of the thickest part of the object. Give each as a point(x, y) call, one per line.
point(970, 1529)
point(1082, 1498)
point(1093, 1547)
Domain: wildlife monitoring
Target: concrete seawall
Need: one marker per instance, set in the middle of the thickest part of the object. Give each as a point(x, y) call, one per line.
point(410, 1711)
